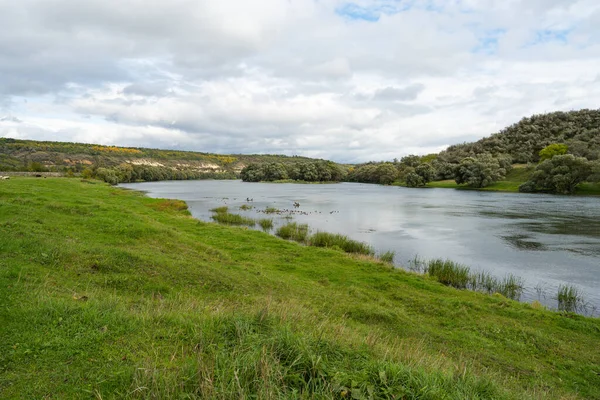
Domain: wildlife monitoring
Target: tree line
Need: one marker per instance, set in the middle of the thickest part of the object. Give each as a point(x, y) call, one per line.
point(307, 171)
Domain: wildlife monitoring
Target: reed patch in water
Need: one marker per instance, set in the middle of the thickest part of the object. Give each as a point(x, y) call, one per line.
point(293, 231)
point(342, 242)
point(232, 219)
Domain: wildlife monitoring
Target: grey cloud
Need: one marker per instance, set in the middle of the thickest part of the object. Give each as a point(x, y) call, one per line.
point(10, 118)
point(147, 89)
point(399, 94)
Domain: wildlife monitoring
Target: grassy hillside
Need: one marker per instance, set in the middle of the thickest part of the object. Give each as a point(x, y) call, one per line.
point(105, 294)
point(23, 155)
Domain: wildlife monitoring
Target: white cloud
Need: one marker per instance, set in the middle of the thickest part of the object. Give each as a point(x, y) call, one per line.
point(351, 81)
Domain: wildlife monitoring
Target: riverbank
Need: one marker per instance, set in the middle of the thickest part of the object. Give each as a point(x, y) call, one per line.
point(130, 297)
point(516, 177)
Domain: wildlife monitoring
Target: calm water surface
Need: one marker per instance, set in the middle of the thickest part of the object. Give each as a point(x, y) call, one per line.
point(547, 240)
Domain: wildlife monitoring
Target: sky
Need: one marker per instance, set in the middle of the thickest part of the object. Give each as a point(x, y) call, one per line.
point(350, 81)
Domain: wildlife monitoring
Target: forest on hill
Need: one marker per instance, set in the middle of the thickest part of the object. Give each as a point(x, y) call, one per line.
point(554, 153)
point(558, 151)
point(126, 164)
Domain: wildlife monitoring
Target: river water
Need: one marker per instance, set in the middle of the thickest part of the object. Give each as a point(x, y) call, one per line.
point(545, 239)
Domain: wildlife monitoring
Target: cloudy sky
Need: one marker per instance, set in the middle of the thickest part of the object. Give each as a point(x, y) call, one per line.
point(345, 80)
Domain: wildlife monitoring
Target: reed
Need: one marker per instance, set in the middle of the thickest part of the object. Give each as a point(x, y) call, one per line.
point(342, 242)
point(220, 210)
point(388, 257)
point(232, 219)
point(266, 224)
point(450, 273)
point(511, 287)
point(293, 231)
point(569, 298)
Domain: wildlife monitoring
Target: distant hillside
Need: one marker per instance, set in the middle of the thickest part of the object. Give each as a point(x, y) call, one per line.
point(579, 130)
point(36, 156)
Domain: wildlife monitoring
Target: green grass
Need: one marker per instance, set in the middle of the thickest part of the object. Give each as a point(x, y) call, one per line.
point(449, 273)
point(232, 219)
point(340, 242)
point(588, 189)
point(517, 176)
point(266, 224)
point(105, 293)
point(246, 207)
point(293, 231)
point(220, 210)
point(387, 257)
point(569, 298)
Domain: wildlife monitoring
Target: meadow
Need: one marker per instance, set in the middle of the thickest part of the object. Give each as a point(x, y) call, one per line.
point(106, 293)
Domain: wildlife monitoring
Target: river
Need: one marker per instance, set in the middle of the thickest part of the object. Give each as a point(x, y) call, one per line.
point(545, 239)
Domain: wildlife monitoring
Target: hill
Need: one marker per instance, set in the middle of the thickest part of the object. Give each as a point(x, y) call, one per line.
point(37, 156)
point(579, 130)
point(105, 293)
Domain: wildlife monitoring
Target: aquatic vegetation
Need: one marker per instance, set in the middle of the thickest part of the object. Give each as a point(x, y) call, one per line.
point(271, 210)
point(335, 240)
point(220, 210)
point(511, 287)
point(246, 207)
point(449, 273)
point(387, 257)
point(569, 298)
point(293, 231)
point(233, 219)
point(265, 223)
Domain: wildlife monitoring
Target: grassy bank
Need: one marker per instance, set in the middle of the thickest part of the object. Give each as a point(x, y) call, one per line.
point(517, 176)
point(105, 293)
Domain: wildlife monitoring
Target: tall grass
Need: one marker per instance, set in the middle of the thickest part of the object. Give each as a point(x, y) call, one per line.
point(220, 210)
point(293, 231)
point(335, 240)
point(511, 287)
point(387, 257)
point(460, 276)
point(245, 207)
point(266, 224)
point(232, 219)
point(569, 298)
point(271, 210)
point(449, 273)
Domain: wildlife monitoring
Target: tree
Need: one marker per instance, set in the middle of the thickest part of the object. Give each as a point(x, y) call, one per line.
point(555, 149)
point(414, 180)
point(561, 174)
point(386, 173)
point(426, 172)
point(479, 171)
